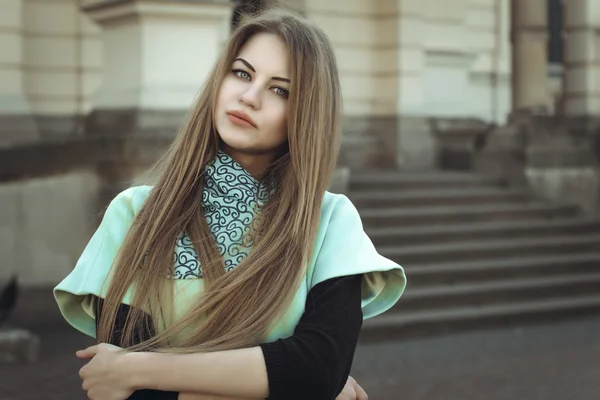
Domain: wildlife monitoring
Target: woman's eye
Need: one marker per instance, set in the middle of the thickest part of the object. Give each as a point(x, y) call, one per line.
point(281, 92)
point(242, 74)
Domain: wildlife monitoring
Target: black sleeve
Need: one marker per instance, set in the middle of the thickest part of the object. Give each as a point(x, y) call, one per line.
point(315, 362)
point(140, 336)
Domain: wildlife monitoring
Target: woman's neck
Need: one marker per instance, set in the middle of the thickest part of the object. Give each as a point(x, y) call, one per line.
point(255, 164)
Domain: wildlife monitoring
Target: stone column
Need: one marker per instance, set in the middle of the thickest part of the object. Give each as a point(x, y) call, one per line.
point(16, 123)
point(62, 61)
point(410, 56)
point(156, 57)
point(415, 144)
point(364, 37)
point(581, 85)
point(529, 37)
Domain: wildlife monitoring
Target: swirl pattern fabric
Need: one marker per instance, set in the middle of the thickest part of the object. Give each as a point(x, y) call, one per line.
point(230, 199)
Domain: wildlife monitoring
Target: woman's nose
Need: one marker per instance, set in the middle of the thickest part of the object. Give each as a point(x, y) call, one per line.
point(251, 97)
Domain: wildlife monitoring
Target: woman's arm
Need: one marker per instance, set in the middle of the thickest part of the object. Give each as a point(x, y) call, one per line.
point(192, 396)
point(235, 373)
point(146, 393)
point(140, 335)
point(314, 363)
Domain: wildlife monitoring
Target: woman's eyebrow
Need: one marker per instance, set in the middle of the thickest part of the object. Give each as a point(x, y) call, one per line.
point(247, 64)
point(276, 78)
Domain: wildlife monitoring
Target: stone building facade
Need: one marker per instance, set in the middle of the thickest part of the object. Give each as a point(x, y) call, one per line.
point(91, 91)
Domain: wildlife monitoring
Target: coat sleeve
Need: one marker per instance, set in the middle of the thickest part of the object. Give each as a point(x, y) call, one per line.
point(345, 249)
point(314, 363)
point(89, 277)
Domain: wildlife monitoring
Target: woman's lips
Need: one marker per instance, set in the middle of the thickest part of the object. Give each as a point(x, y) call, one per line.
point(241, 119)
point(238, 121)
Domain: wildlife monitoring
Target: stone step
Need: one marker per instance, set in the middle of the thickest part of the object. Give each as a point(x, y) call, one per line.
point(383, 180)
point(486, 249)
point(446, 196)
point(495, 269)
point(521, 228)
point(400, 325)
point(476, 252)
point(414, 216)
point(498, 291)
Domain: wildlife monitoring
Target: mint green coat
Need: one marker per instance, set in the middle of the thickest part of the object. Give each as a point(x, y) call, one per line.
point(230, 196)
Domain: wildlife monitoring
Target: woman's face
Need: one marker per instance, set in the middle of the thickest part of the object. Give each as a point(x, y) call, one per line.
point(251, 110)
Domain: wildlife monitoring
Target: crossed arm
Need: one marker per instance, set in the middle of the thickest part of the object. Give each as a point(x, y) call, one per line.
point(314, 363)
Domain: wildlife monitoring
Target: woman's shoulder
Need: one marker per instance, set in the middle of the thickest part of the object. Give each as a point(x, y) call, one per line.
point(338, 213)
point(130, 200)
point(336, 204)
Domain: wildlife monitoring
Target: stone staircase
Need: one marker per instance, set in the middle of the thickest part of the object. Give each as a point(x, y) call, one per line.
point(476, 253)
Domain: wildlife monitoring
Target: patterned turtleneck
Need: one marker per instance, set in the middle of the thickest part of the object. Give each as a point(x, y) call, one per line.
point(230, 199)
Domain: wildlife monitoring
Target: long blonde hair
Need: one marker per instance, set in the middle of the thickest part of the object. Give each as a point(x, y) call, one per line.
point(238, 308)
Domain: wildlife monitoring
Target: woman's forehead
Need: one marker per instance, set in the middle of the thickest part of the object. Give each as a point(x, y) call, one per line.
point(267, 53)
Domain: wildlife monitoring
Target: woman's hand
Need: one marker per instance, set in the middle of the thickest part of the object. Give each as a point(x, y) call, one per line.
point(352, 391)
point(103, 377)
point(191, 396)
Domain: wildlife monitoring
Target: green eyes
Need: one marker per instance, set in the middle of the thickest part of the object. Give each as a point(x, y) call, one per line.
point(280, 91)
point(240, 73)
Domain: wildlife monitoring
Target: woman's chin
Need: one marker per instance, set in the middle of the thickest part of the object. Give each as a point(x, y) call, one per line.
point(239, 144)
point(246, 143)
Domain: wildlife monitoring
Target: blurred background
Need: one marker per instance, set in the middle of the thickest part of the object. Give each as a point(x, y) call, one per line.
point(471, 149)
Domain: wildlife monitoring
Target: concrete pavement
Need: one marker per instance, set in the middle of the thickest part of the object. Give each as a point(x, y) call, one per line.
point(556, 361)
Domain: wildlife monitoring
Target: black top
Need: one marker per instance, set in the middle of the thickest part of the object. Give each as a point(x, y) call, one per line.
point(313, 363)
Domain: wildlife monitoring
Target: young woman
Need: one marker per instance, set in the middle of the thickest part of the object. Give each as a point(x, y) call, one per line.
point(235, 274)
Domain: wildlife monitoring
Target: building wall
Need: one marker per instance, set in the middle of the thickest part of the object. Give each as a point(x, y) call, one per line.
point(420, 57)
point(396, 58)
point(50, 65)
point(13, 101)
point(466, 59)
point(62, 57)
point(364, 40)
point(45, 224)
point(416, 57)
point(11, 48)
